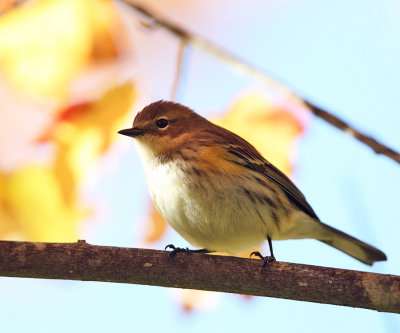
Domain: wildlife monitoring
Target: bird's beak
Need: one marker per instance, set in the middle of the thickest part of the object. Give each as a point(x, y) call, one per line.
point(132, 132)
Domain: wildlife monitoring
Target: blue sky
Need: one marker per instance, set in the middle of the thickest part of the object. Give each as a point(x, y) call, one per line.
point(342, 55)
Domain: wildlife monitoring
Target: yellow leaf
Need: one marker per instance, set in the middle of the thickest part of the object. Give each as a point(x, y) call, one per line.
point(75, 159)
point(33, 203)
point(40, 203)
point(45, 44)
point(108, 114)
point(273, 131)
point(83, 135)
point(109, 38)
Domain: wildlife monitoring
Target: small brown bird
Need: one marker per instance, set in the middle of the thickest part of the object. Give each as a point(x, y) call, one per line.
point(218, 192)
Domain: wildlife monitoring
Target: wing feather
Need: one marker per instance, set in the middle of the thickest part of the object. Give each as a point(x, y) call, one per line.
point(245, 154)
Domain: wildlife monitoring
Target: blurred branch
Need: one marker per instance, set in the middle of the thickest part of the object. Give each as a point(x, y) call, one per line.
point(82, 261)
point(272, 83)
point(376, 146)
point(178, 71)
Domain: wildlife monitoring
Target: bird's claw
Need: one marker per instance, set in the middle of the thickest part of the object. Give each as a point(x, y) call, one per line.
point(175, 250)
point(265, 260)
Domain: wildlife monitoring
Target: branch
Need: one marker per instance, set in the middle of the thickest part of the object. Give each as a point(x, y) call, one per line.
point(82, 261)
point(376, 146)
point(262, 76)
point(178, 71)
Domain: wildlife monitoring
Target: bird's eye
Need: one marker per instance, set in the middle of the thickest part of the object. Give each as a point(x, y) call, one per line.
point(162, 123)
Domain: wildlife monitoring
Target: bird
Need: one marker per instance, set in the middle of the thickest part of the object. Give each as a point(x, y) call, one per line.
point(219, 193)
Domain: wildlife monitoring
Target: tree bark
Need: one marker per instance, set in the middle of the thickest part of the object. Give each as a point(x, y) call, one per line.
point(82, 261)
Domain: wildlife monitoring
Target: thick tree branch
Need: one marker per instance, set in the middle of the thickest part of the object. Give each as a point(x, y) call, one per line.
point(82, 261)
point(267, 79)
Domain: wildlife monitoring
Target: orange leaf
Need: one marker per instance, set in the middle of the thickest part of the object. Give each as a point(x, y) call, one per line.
point(6, 5)
point(84, 132)
point(191, 300)
point(271, 129)
point(156, 226)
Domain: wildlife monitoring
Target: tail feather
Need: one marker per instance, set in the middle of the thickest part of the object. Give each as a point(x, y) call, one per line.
point(351, 246)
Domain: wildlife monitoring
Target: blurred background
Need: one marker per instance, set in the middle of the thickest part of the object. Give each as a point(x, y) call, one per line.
point(72, 73)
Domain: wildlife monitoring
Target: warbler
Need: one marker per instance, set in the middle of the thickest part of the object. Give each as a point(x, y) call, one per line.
point(219, 193)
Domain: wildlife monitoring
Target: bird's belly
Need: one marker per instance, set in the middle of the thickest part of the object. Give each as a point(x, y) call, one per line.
point(217, 230)
point(211, 215)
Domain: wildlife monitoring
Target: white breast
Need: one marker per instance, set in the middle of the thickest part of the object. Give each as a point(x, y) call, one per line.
point(208, 213)
point(166, 183)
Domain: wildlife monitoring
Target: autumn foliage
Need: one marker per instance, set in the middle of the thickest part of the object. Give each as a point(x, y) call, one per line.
point(49, 51)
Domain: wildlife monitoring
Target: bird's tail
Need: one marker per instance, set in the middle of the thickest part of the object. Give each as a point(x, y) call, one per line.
point(351, 246)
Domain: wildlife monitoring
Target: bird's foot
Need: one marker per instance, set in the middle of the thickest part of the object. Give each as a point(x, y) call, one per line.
point(176, 250)
point(265, 260)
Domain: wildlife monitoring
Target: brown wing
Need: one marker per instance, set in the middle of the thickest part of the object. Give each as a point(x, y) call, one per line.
point(245, 154)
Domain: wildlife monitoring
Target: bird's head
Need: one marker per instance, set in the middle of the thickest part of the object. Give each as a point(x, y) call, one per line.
point(163, 127)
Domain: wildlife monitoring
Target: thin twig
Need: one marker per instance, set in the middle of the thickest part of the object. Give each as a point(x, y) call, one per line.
point(179, 69)
point(85, 262)
point(264, 77)
point(345, 127)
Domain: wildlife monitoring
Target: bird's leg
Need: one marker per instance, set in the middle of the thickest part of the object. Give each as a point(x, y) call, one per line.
point(267, 259)
point(176, 250)
point(270, 249)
